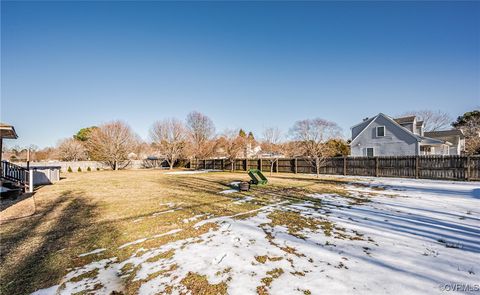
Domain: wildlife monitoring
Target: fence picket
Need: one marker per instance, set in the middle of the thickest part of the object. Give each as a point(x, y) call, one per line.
point(426, 167)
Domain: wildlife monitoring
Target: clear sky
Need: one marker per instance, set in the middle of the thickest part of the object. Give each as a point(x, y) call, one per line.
point(68, 65)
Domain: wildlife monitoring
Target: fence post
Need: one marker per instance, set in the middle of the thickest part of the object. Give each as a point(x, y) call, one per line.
point(469, 164)
point(344, 165)
point(296, 166)
point(223, 165)
point(376, 166)
point(416, 166)
point(30, 181)
point(260, 164)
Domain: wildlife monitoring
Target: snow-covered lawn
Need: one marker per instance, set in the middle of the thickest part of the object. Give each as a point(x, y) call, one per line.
point(384, 236)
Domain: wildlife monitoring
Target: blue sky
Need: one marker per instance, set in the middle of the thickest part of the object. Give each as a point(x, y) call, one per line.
point(68, 65)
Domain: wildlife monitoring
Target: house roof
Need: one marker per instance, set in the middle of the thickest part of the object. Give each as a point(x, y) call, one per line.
point(404, 120)
point(422, 139)
point(445, 133)
point(365, 121)
point(369, 121)
point(7, 131)
point(432, 141)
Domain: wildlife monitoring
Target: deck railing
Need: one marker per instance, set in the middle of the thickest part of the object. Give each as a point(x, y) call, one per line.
point(16, 173)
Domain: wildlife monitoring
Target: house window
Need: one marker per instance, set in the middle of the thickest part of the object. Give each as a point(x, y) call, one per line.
point(425, 150)
point(380, 131)
point(369, 152)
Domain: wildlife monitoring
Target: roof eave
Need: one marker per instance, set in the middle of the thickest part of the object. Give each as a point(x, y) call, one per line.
point(8, 132)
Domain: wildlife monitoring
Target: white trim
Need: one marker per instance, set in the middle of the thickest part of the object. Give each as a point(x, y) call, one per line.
point(30, 181)
point(384, 131)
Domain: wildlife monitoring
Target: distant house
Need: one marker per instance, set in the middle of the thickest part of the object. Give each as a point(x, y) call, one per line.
point(385, 136)
point(454, 136)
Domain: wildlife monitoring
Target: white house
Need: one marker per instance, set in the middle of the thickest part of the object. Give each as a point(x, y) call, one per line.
point(385, 136)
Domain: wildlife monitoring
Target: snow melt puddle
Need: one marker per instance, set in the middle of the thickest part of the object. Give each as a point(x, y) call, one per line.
point(401, 256)
point(96, 251)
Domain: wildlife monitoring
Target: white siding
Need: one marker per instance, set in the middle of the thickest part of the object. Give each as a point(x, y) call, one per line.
point(396, 142)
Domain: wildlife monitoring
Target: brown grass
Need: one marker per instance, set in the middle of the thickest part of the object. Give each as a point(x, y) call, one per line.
point(86, 211)
point(198, 284)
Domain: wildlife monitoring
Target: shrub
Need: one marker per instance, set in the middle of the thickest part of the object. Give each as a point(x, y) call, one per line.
point(79, 169)
point(69, 169)
point(89, 169)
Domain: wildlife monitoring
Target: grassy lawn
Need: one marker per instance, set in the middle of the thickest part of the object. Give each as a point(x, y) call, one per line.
point(151, 232)
point(104, 210)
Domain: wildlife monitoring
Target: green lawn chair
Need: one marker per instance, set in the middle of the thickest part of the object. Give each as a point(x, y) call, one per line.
point(257, 177)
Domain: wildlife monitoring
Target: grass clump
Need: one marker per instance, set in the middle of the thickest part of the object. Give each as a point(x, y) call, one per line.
point(267, 281)
point(295, 222)
point(198, 284)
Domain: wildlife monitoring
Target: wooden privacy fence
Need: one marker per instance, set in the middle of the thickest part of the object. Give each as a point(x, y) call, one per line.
point(428, 167)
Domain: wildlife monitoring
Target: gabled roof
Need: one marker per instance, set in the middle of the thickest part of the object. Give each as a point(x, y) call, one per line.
point(391, 120)
point(445, 133)
point(404, 120)
point(365, 121)
point(422, 139)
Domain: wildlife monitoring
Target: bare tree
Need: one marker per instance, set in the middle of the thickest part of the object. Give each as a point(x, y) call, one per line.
point(291, 149)
point(47, 153)
point(312, 136)
point(271, 144)
point(170, 137)
point(432, 120)
point(71, 150)
point(231, 145)
point(201, 131)
point(111, 143)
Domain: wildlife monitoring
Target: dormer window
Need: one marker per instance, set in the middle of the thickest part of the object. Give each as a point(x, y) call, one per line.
point(380, 131)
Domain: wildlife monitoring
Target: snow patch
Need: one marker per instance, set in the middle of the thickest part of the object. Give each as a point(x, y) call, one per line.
point(411, 243)
point(96, 251)
point(229, 191)
point(191, 172)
